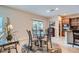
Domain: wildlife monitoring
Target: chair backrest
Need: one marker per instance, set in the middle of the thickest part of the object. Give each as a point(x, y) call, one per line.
point(48, 33)
point(30, 37)
point(29, 34)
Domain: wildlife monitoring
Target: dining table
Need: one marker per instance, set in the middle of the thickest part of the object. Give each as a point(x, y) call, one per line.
point(9, 44)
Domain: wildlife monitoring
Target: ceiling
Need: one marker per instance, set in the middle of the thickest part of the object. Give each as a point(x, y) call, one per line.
point(42, 9)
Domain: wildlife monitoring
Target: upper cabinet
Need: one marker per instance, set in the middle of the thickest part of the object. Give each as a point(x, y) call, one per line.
point(74, 23)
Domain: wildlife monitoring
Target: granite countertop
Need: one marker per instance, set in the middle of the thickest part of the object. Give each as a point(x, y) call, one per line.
point(68, 30)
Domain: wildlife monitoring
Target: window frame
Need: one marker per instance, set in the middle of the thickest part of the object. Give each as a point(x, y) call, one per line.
point(38, 21)
point(2, 24)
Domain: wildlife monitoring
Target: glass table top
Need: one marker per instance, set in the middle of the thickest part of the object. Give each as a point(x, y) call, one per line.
point(3, 41)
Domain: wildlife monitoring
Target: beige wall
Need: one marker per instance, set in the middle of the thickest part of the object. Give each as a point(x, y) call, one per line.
point(21, 20)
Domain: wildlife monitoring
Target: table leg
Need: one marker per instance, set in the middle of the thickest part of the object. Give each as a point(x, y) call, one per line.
point(1, 49)
point(47, 44)
point(9, 50)
point(40, 43)
point(51, 43)
point(16, 47)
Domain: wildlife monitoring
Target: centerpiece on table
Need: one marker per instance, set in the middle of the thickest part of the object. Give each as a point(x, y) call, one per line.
point(9, 28)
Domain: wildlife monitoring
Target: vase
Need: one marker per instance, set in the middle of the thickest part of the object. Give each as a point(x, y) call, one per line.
point(9, 37)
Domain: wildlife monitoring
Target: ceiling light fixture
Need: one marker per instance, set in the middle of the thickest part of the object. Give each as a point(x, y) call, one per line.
point(51, 10)
point(56, 8)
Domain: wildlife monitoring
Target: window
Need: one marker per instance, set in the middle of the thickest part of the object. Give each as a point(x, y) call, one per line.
point(1, 24)
point(37, 28)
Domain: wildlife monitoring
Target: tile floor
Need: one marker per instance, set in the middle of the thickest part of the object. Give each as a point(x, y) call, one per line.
point(66, 48)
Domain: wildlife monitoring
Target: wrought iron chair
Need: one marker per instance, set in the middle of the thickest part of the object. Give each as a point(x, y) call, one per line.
point(31, 43)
